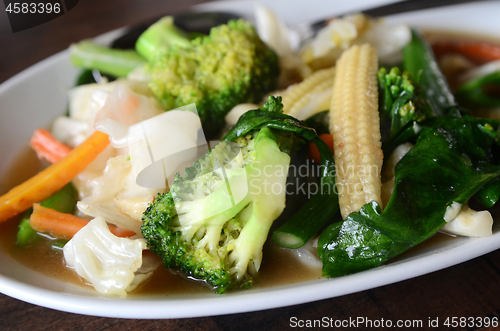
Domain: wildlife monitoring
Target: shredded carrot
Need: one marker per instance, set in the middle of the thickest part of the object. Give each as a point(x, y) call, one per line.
point(53, 178)
point(56, 224)
point(313, 152)
point(47, 147)
point(64, 226)
point(476, 51)
point(121, 232)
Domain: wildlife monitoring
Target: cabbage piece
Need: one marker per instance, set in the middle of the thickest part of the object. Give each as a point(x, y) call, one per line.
point(341, 33)
point(307, 254)
point(106, 261)
point(273, 31)
point(470, 223)
point(124, 108)
point(86, 101)
point(116, 196)
point(117, 106)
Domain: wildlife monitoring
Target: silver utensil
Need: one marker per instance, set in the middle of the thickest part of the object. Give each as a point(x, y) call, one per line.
point(202, 22)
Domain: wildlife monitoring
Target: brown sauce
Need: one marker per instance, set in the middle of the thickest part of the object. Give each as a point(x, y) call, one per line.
point(279, 267)
point(39, 257)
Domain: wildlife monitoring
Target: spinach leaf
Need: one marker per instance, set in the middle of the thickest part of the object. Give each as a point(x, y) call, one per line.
point(477, 135)
point(439, 170)
point(455, 158)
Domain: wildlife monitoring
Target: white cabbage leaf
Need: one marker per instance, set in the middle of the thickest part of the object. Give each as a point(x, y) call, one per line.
point(470, 223)
point(124, 108)
point(85, 101)
point(341, 33)
point(116, 196)
point(318, 102)
point(461, 220)
point(308, 254)
point(108, 262)
point(273, 31)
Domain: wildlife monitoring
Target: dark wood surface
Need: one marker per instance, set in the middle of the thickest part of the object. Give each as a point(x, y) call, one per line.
point(471, 289)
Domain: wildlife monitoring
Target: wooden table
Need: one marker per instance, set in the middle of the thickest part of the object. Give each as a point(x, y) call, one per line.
point(471, 289)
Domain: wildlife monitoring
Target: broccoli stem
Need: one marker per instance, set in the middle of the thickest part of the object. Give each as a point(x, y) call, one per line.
point(323, 206)
point(63, 201)
point(264, 176)
point(114, 62)
point(159, 37)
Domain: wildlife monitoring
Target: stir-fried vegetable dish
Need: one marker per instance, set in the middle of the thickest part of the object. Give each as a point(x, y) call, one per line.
point(193, 152)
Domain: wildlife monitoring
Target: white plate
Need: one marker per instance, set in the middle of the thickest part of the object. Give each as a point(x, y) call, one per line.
point(38, 93)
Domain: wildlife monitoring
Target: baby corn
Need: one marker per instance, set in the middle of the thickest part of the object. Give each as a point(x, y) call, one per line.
point(298, 95)
point(355, 125)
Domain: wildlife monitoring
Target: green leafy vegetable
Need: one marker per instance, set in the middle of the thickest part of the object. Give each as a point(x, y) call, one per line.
point(436, 172)
point(419, 61)
point(475, 92)
point(454, 158)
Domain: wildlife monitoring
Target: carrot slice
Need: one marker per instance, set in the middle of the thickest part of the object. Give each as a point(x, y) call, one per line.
point(64, 226)
point(47, 147)
point(313, 152)
point(53, 178)
point(479, 52)
point(59, 225)
point(121, 232)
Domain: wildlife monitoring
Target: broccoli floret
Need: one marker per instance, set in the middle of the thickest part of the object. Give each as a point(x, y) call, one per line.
point(396, 92)
point(159, 37)
point(400, 103)
point(214, 231)
point(216, 72)
point(213, 222)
